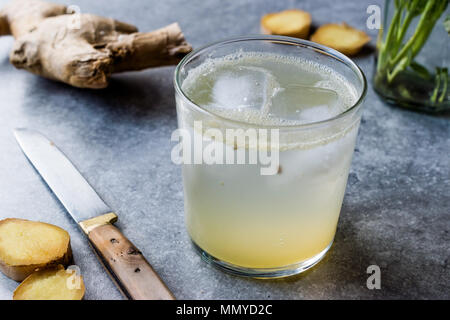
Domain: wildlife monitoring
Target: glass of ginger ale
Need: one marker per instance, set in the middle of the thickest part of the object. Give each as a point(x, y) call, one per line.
point(292, 101)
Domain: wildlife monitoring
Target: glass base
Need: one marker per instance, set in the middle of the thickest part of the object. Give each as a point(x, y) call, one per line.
point(262, 273)
point(410, 93)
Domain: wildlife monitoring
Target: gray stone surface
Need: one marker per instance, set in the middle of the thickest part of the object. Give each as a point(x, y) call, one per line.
point(396, 209)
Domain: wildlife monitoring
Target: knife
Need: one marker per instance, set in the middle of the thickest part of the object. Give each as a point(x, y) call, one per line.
point(126, 265)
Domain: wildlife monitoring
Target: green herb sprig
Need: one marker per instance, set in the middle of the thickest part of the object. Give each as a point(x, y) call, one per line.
point(396, 54)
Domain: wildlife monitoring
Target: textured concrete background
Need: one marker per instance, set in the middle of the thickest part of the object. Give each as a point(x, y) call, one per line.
point(396, 210)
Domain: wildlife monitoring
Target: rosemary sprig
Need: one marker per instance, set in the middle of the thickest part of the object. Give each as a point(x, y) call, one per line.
point(396, 54)
point(441, 85)
point(397, 57)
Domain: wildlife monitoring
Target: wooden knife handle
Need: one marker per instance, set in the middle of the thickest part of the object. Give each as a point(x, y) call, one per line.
point(126, 264)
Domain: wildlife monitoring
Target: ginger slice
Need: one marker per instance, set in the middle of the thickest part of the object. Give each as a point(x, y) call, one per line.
point(291, 23)
point(341, 37)
point(51, 284)
point(29, 245)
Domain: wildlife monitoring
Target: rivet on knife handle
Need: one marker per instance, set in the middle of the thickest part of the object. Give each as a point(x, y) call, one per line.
point(131, 271)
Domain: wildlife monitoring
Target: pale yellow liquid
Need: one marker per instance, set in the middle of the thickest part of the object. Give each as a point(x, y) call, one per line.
point(244, 218)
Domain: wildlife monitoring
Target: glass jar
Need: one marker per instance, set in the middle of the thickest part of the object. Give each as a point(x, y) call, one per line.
point(412, 66)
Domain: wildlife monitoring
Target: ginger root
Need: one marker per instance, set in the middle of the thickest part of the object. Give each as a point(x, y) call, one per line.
point(291, 23)
point(341, 37)
point(51, 284)
point(26, 246)
point(83, 50)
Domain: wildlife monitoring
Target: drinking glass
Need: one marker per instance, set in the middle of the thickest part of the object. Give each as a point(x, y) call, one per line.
point(267, 226)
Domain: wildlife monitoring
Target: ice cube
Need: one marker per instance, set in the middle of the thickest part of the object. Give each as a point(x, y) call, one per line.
point(243, 87)
point(304, 103)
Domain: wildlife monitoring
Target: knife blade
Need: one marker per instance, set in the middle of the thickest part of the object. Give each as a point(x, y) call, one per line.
point(127, 266)
point(74, 192)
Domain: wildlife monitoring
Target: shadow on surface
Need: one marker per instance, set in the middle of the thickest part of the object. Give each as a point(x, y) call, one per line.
point(344, 268)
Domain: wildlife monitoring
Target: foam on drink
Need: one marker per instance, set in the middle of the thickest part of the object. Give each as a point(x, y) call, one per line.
point(268, 89)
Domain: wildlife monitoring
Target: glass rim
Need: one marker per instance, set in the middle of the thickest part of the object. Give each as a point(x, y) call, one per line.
point(280, 39)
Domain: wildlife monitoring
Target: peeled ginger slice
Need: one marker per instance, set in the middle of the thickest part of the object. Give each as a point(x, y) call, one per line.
point(51, 284)
point(26, 246)
point(291, 23)
point(341, 37)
